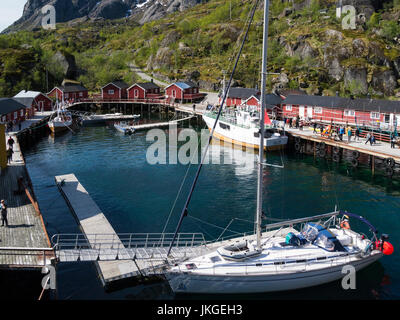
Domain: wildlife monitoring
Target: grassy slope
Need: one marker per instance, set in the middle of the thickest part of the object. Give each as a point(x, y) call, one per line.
point(209, 37)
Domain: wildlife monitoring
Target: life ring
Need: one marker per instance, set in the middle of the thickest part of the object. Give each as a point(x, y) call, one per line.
point(355, 154)
point(297, 146)
point(345, 225)
point(389, 162)
point(336, 158)
point(389, 171)
point(322, 153)
point(354, 163)
point(336, 150)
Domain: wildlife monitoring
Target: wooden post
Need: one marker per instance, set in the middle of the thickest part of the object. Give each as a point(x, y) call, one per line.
point(3, 150)
point(373, 164)
point(315, 151)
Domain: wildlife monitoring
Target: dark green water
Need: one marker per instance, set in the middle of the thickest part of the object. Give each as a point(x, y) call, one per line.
point(138, 197)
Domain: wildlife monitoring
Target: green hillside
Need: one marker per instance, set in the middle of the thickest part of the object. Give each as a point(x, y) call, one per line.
point(307, 47)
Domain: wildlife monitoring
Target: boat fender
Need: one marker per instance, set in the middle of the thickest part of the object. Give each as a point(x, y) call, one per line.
point(336, 150)
point(355, 154)
point(384, 246)
point(389, 171)
point(389, 162)
point(336, 158)
point(354, 163)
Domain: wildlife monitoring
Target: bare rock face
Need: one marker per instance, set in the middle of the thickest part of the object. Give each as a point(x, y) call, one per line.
point(384, 81)
point(356, 79)
point(67, 10)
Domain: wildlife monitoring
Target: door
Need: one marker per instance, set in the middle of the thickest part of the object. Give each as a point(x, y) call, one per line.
point(309, 112)
point(41, 106)
point(301, 112)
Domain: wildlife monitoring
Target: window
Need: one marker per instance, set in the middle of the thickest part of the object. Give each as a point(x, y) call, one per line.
point(375, 115)
point(224, 126)
point(22, 112)
point(289, 108)
point(136, 93)
point(349, 113)
point(317, 109)
point(15, 115)
point(3, 119)
point(110, 91)
point(81, 94)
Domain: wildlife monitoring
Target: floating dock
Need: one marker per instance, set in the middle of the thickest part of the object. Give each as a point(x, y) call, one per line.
point(24, 244)
point(93, 222)
point(160, 124)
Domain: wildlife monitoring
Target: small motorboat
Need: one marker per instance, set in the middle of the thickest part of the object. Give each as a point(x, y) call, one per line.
point(124, 128)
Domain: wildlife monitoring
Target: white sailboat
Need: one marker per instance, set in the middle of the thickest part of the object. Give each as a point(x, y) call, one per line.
point(287, 255)
point(62, 121)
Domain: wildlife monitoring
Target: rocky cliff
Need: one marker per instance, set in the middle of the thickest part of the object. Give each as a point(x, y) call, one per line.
point(68, 10)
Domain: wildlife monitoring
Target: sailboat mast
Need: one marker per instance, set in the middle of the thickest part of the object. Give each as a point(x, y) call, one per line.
point(262, 116)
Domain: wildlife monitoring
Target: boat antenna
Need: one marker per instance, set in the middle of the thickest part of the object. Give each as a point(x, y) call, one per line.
point(185, 207)
point(262, 119)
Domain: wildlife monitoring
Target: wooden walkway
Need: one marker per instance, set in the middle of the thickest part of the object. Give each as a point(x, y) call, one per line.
point(92, 221)
point(26, 229)
point(160, 124)
point(380, 149)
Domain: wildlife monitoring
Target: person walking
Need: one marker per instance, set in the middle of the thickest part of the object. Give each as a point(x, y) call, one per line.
point(3, 213)
point(372, 140)
point(368, 138)
point(349, 134)
point(10, 142)
point(341, 133)
point(9, 155)
point(357, 134)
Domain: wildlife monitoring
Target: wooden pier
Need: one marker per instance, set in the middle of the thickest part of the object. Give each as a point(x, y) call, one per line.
point(24, 244)
point(93, 222)
point(148, 126)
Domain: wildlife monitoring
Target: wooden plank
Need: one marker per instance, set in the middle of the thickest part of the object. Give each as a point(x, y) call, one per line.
point(26, 228)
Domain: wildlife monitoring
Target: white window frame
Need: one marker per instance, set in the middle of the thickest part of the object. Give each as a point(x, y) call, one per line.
point(22, 112)
point(81, 94)
point(288, 107)
point(317, 110)
point(136, 93)
point(111, 91)
point(349, 113)
point(375, 115)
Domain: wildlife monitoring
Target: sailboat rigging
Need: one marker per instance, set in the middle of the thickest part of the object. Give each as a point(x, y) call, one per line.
point(284, 258)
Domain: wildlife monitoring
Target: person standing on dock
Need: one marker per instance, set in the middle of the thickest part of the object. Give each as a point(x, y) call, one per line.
point(368, 138)
point(392, 141)
point(349, 133)
point(10, 142)
point(357, 134)
point(3, 213)
point(9, 155)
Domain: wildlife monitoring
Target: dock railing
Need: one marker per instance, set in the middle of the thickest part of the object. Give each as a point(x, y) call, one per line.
point(126, 246)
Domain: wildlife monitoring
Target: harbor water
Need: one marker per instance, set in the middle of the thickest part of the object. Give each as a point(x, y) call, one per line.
point(137, 196)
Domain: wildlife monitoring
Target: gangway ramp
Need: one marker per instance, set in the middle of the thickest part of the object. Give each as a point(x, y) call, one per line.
point(93, 221)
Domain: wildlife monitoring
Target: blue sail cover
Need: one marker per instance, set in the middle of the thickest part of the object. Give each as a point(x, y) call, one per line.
point(326, 239)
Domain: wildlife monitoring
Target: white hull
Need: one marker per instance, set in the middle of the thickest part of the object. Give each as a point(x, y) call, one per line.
point(124, 129)
point(259, 283)
point(57, 126)
point(241, 135)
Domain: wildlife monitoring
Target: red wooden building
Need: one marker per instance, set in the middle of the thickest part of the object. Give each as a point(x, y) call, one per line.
point(11, 109)
point(37, 100)
point(238, 96)
point(185, 91)
point(147, 90)
point(115, 90)
point(363, 112)
point(69, 93)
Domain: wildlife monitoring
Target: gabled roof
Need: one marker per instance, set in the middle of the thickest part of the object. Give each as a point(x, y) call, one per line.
point(184, 85)
point(71, 88)
point(145, 85)
point(271, 99)
point(344, 103)
point(25, 101)
point(241, 93)
point(27, 94)
point(118, 83)
point(8, 105)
